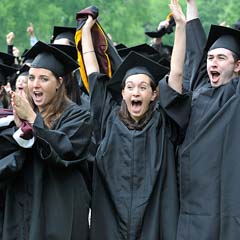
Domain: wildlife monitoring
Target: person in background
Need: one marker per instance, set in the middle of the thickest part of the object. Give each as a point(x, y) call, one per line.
point(236, 25)
point(6, 71)
point(165, 50)
point(13, 50)
point(32, 37)
point(43, 158)
point(19, 83)
point(65, 36)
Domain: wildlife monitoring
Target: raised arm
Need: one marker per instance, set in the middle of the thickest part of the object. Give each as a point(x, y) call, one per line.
point(195, 44)
point(89, 56)
point(100, 99)
point(179, 47)
point(192, 10)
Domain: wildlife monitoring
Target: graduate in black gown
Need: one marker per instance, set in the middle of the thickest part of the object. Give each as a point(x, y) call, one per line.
point(134, 180)
point(209, 155)
point(43, 177)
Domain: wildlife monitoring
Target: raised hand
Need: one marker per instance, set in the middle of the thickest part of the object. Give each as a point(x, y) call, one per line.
point(89, 23)
point(179, 47)
point(177, 11)
point(30, 29)
point(9, 38)
point(21, 107)
point(192, 10)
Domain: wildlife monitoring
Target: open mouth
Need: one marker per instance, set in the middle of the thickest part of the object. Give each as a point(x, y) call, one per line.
point(20, 88)
point(215, 75)
point(136, 103)
point(38, 95)
point(136, 106)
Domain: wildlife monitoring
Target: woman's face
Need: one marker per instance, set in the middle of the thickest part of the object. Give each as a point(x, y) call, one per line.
point(138, 94)
point(21, 83)
point(42, 85)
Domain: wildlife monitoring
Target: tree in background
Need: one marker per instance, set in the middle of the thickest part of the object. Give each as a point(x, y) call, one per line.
point(125, 20)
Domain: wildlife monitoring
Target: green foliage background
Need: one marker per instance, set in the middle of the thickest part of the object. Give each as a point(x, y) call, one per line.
point(125, 20)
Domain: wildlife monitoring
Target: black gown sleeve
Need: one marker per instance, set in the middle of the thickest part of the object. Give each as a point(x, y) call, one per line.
point(12, 156)
point(10, 165)
point(68, 144)
point(176, 106)
point(196, 41)
point(10, 49)
point(101, 103)
point(7, 143)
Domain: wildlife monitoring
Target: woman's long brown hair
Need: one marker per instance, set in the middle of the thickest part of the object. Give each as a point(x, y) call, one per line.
point(56, 108)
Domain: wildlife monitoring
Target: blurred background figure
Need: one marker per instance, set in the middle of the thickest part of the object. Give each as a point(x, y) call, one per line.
point(32, 36)
point(237, 24)
point(63, 35)
point(19, 82)
point(165, 27)
point(13, 50)
point(6, 71)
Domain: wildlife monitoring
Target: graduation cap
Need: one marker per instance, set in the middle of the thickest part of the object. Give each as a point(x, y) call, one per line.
point(6, 60)
point(143, 49)
point(23, 71)
point(26, 60)
point(120, 46)
point(237, 25)
point(139, 64)
point(162, 31)
point(64, 32)
point(165, 62)
point(6, 71)
point(91, 10)
point(68, 49)
point(223, 37)
point(49, 57)
point(82, 15)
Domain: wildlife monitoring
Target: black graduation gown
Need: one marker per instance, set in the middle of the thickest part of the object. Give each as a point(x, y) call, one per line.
point(43, 190)
point(209, 162)
point(134, 181)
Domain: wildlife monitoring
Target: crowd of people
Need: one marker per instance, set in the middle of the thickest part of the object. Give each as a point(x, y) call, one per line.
point(102, 141)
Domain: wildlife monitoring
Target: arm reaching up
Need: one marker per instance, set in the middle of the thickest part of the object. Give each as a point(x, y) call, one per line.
point(179, 47)
point(32, 36)
point(89, 56)
point(192, 11)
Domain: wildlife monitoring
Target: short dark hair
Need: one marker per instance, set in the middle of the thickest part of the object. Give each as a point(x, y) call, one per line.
point(235, 57)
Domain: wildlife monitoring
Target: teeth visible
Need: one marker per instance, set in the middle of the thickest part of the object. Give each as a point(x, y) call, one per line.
point(214, 72)
point(136, 102)
point(38, 94)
